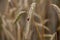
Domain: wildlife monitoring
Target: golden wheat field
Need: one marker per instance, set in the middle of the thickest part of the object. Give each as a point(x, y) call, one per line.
point(29, 19)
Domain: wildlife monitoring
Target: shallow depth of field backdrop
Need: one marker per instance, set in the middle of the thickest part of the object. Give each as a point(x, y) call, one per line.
point(29, 19)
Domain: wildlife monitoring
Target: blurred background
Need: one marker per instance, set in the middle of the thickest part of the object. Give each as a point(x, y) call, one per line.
point(29, 19)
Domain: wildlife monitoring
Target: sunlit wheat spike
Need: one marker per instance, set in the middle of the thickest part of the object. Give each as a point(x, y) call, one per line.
point(30, 12)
